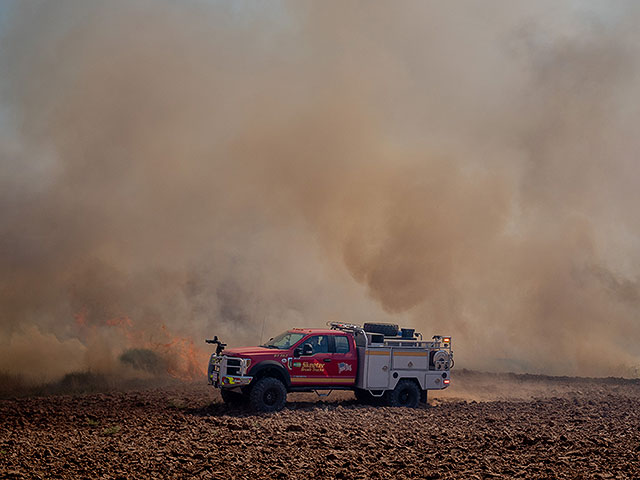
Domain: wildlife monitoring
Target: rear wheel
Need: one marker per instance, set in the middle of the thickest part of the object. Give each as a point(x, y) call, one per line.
point(268, 395)
point(406, 394)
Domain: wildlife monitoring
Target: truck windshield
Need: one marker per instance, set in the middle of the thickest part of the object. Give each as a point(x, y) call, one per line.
point(284, 340)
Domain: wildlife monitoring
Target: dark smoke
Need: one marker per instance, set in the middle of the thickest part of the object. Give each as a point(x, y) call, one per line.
point(144, 360)
point(174, 170)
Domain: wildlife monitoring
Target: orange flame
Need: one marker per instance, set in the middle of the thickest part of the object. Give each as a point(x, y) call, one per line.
point(187, 360)
point(81, 318)
point(184, 360)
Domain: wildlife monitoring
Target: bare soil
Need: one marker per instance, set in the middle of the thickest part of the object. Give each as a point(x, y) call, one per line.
point(484, 426)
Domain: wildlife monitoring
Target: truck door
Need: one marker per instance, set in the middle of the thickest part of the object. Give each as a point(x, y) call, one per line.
point(344, 360)
point(312, 369)
point(332, 363)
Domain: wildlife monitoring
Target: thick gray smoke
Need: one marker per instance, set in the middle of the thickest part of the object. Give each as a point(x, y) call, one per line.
point(174, 170)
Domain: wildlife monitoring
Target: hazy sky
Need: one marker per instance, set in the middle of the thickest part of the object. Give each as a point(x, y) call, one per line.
point(174, 170)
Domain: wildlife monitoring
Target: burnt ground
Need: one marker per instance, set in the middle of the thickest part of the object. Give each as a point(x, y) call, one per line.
point(484, 426)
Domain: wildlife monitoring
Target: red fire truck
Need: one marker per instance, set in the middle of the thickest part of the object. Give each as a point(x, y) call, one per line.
point(379, 362)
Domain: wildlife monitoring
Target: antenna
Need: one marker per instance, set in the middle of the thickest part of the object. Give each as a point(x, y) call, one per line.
point(264, 320)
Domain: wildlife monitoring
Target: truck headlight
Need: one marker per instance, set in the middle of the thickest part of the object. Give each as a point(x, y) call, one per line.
point(246, 363)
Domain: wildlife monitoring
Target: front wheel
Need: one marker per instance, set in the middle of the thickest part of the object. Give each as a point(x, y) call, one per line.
point(268, 395)
point(406, 394)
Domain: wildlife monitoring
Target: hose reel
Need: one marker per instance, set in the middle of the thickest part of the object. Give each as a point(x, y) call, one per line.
point(441, 360)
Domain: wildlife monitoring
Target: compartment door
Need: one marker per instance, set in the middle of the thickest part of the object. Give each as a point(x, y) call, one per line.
point(378, 367)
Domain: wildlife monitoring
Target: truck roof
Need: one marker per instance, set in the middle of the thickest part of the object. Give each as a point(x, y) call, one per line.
point(323, 331)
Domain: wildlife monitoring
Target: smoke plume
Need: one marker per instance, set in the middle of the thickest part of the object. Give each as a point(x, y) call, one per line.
point(174, 170)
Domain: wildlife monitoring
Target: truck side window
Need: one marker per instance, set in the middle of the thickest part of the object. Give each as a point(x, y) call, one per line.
point(342, 344)
point(320, 343)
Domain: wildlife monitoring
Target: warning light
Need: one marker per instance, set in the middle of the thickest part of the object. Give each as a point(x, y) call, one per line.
point(446, 381)
point(446, 339)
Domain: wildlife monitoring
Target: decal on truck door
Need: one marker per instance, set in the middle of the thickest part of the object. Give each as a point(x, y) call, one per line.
point(344, 367)
point(315, 367)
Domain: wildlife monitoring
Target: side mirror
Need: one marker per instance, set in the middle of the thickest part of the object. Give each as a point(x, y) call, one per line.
point(307, 349)
point(297, 352)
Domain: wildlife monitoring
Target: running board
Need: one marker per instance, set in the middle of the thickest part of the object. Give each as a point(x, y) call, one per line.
point(382, 392)
point(323, 394)
point(309, 390)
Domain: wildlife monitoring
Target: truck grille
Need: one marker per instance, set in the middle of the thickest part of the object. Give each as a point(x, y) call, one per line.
point(233, 366)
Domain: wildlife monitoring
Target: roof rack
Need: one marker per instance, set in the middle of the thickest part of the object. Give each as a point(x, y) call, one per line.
point(346, 327)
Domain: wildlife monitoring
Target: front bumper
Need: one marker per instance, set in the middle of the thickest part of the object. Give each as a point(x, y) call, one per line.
point(228, 372)
point(228, 381)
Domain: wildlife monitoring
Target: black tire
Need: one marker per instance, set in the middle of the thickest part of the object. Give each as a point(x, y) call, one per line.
point(424, 397)
point(406, 394)
point(268, 395)
point(232, 398)
point(386, 329)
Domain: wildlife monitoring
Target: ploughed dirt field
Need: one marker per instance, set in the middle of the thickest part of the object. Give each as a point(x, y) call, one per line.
point(483, 426)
